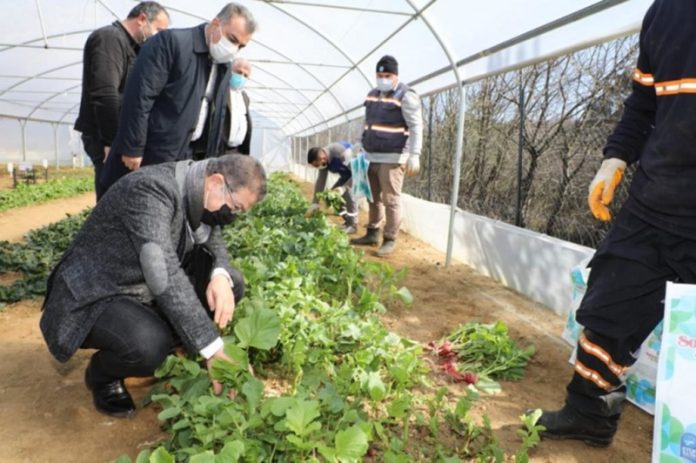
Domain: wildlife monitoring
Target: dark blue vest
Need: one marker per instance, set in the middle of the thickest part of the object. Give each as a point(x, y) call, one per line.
point(385, 127)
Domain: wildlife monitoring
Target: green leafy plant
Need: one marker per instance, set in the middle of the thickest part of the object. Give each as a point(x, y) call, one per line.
point(481, 354)
point(333, 200)
point(25, 195)
point(330, 383)
point(529, 435)
point(33, 259)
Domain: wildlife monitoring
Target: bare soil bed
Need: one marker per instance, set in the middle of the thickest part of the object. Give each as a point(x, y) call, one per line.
point(46, 413)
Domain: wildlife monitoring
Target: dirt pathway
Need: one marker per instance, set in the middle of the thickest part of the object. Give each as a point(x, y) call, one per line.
point(46, 414)
point(14, 223)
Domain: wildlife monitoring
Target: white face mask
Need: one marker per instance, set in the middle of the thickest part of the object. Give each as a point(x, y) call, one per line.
point(223, 51)
point(385, 85)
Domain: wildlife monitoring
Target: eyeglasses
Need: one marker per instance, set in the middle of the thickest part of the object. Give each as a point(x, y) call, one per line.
point(236, 205)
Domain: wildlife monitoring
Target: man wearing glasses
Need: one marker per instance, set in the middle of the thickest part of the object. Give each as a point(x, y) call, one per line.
point(163, 273)
point(174, 102)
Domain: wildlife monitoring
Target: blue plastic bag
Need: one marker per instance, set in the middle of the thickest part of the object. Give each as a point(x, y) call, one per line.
point(361, 185)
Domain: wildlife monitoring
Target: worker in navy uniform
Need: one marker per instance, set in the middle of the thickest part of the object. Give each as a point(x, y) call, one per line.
point(653, 237)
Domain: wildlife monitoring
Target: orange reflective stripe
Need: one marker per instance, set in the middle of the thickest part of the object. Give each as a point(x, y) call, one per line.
point(673, 87)
point(601, 354)
point(393, 101)
point(388, 128)
point(643, 78)
point(592, 375)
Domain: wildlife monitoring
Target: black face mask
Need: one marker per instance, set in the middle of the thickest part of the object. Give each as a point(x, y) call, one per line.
point(223, 216)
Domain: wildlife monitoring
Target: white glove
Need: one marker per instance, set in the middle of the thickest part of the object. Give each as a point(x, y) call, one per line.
point(339, 189)
point(602, 188)
point(312, 210)
point(413, 165)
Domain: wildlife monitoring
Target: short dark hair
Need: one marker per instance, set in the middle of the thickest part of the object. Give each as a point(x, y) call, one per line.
point(240, 171)
point(150, 9)
point(313, 154)
point(232, 10)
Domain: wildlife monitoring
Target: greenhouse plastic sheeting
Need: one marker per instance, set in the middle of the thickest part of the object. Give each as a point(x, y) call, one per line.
point(313, 61)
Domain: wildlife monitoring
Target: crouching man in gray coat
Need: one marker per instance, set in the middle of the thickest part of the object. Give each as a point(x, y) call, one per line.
point(122, 287)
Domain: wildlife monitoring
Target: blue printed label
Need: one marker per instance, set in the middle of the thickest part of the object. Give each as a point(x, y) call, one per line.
point(688, 446)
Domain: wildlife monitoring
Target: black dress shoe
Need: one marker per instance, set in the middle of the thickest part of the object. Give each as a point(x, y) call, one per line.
point(111, 398)
point(566, 423)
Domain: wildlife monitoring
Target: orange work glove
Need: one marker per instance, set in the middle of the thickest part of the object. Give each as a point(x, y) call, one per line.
point(603, 186)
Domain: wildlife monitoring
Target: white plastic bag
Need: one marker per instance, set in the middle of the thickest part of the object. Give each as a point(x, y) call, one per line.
point(641, 377)
point(674, 434)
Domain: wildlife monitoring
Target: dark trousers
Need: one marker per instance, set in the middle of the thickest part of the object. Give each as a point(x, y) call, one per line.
point(95, 150)
point(623, 304)
point(133, 339)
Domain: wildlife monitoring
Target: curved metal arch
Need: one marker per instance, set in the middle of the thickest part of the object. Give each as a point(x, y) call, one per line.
point(52, 36)
point(2, 92)
point(274, 75)
point(65, 114)
point(56, 94)
point(460, 129)
point(178, 10)
point(385, 40)
point(326, 39)
point(288, 100)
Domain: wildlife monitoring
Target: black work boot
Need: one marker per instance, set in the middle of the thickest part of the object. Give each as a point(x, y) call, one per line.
point(387, 248)
point(111, 398)
point(566, 423)
point(371, 238)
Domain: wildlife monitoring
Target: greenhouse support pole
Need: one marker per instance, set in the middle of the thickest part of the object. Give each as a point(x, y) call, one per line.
point(294, 150)
point(520, 152)
point(22, 124)
point(430, 149)
point(306, 147)
point(55, 144)
point(460, 129)
point(457, 172)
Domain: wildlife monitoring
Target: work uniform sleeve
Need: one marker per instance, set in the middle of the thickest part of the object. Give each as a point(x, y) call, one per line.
point(107, 67)
point(413, 114)
point(145, 82)
point(320, 184)
point(147, 217)
point(631, 133)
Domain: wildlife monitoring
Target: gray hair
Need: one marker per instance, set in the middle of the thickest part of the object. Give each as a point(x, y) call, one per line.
point(240, 171)
point(150, 9)
point(232, 10)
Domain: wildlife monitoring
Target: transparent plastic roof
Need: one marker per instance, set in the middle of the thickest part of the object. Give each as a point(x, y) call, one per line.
point(313, 60)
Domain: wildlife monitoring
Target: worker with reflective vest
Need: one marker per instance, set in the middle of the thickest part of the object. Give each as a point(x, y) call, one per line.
point(392, 140)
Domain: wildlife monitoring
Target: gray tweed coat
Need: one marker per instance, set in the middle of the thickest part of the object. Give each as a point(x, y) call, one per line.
point(131, 244)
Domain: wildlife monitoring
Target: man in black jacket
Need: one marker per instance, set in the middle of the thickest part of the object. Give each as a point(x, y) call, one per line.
point(109, 55)
point(173, 106)
point(130, 301)
point(653, 239)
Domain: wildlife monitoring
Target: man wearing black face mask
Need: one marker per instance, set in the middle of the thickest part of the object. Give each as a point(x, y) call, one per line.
point(133, 300)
